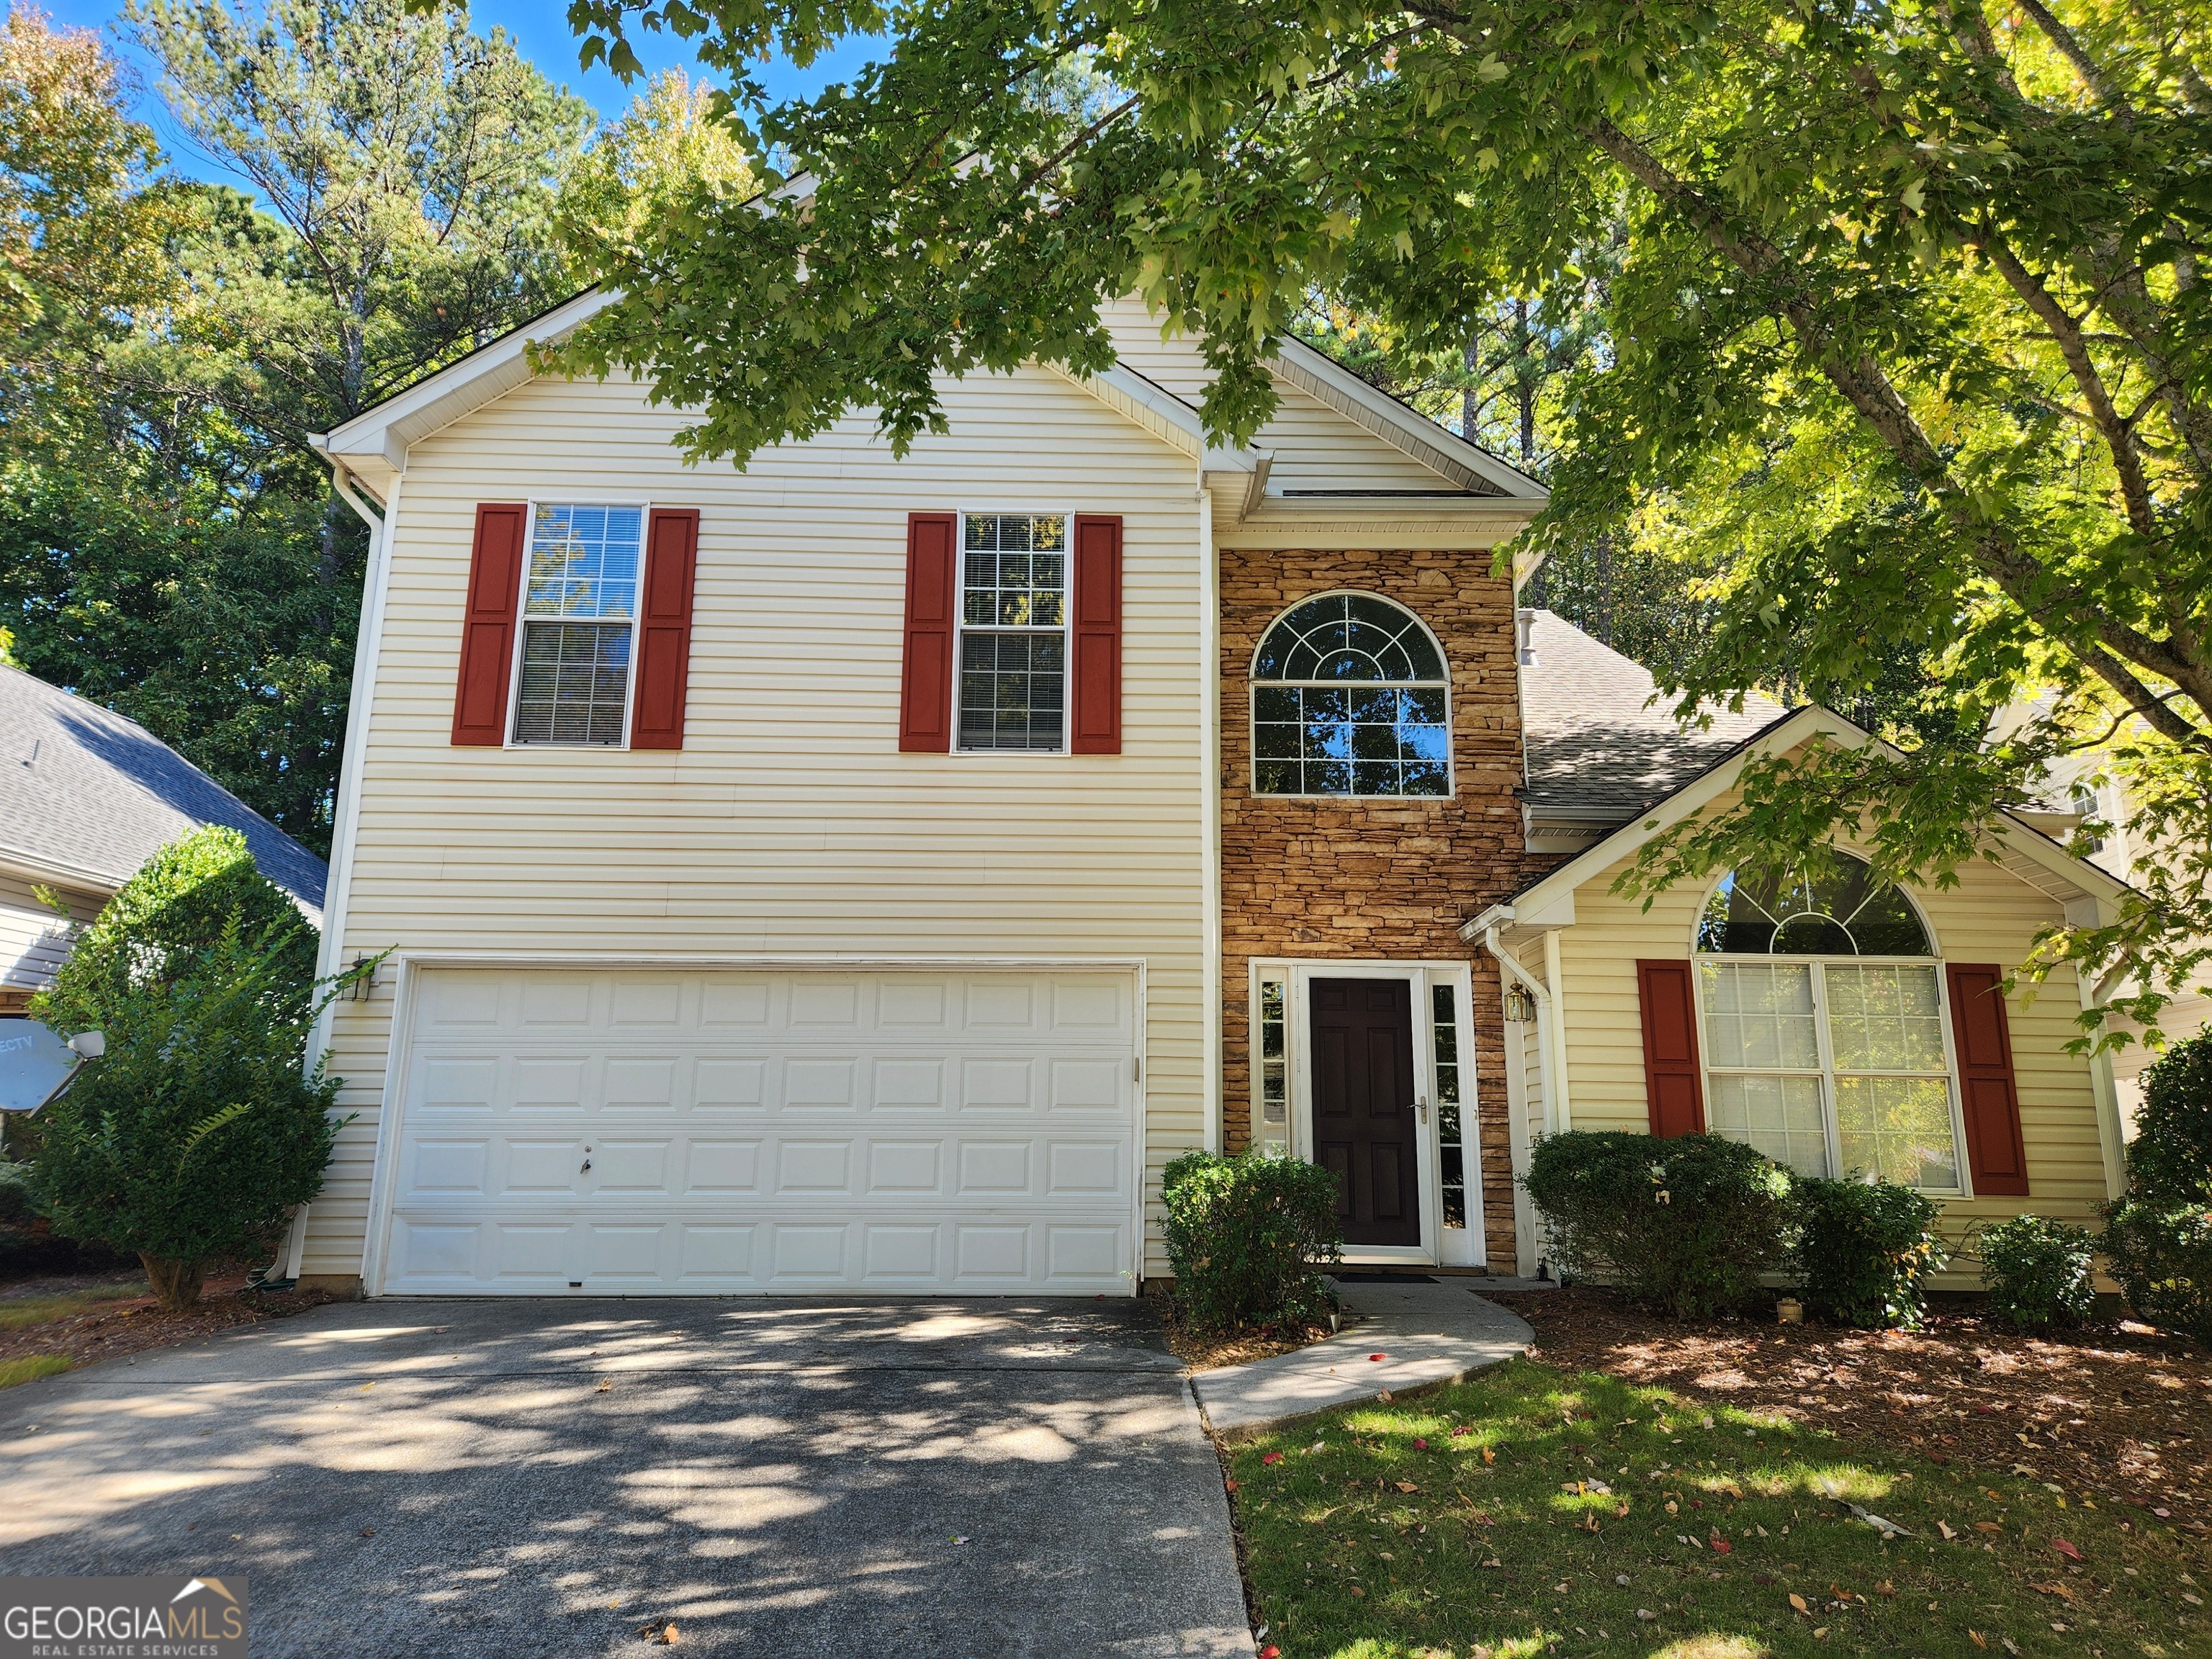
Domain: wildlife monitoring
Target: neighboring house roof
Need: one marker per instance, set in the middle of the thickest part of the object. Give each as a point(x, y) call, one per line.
point(1602, 743)
point(87, 797)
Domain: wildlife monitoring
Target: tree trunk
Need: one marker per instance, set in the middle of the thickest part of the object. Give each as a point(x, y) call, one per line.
point(176, 1284)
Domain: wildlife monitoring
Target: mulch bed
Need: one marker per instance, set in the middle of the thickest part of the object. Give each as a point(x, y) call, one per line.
point(2116, 1411)
point(112, 1329)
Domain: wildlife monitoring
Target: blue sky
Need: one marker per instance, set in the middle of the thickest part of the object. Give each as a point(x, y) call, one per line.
point(540, 28)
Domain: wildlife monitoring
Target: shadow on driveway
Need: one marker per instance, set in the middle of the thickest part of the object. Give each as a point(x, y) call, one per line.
point(536, 1478)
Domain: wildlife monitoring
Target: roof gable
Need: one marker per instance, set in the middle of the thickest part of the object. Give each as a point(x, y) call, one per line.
point(2083, 890)
point(1336, 435)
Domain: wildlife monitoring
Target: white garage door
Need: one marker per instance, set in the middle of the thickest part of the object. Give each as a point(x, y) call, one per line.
point(630, 1132)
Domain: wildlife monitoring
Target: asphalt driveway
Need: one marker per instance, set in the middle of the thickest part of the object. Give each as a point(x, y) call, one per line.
point(548, 1478)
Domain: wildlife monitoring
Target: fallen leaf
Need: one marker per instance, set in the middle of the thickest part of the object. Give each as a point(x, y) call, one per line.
point(1987, 1526)
point(1378, 1356)
point(1420, 1445)
point(1356, 1590)
point(1231, 1484)
point(1976, 1639)
point(1488, 1455)
point(1407, 1486)
point(605, 1383)
point(1721, 1547)
point(1272, 1457)
point(1885, 1588)
point(2066, 1549)
point(1819, 1632)
point(369, 1531)
point(1798, 1602)
point(1270, 1651)
point(668, 1637)
point(1384, 1396)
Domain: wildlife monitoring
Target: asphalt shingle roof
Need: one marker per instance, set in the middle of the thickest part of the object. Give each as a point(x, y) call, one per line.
point(1598, 742)
point(81, 787)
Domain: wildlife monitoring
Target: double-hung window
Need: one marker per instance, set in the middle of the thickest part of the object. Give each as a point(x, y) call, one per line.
point(1824, 1034)
point(1013, 631)
point(579, 618)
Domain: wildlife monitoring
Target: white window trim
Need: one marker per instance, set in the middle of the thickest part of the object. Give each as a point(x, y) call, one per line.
point(1297, 974)
point(1253, 683)
point(1066, 514)
point(522, 620)
point(1827, 1072)
point(1829, 1122)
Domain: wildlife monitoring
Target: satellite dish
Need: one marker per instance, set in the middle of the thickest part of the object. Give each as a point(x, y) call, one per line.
point(36, 1064)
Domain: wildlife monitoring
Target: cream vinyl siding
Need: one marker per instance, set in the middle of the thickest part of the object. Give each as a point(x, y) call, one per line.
point(33, 940)
point(789, 825)
point(1314, 446)
point(1990, 916)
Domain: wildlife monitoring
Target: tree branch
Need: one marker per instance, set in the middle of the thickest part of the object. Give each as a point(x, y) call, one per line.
point(2127, 461)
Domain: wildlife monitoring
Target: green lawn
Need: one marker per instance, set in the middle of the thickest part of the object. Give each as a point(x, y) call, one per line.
point(31, 1367)
point(22, 1314)
point(1532, 1511)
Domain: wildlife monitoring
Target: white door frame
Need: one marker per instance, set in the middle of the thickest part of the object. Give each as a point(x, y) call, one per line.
point(383, 1178)
point(1420, 976)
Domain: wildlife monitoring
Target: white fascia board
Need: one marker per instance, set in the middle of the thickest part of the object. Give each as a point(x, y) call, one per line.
point(1447, 522)
point(378, 438)
point(1442, 452)
point(1151, 405)
point(55, 873)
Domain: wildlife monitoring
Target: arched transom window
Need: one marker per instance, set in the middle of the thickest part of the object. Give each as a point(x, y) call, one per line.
point(1349, 697)
point(1823, 1016)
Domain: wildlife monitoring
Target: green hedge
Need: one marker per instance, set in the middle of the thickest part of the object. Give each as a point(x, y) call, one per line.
point(1246, 1236)
point(2159, 1236)
point(1864, 1250)
point(2037, 1271)
point(1685, 1226)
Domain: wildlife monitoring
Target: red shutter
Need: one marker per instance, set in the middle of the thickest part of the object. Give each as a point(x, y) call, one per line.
point(1098, 637)
point(932, 561)
point(1673, 1093)
point(1987, 1089)
point(663, 628)
point(488, 629)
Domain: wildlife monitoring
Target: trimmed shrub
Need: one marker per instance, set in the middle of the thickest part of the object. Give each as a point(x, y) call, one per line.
point(2159, 1234)
point(1684, 1225)
point(2169, 1159)
point(2161, 1253)
point(201, 1128)
point(1865, 1249)
point(2037, 1271)
point(1246, 1235)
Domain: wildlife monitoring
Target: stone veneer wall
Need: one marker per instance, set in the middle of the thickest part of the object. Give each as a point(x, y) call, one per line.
point(1376, 878)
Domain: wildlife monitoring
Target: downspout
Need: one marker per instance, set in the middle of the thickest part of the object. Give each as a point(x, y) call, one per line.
point(1527, 1242)
point(1563, 1118)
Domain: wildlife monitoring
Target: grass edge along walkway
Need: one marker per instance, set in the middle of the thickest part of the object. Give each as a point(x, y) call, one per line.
point(1531, 1512)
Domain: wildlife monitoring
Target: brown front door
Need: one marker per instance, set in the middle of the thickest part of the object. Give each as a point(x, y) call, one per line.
point(1363, 1106)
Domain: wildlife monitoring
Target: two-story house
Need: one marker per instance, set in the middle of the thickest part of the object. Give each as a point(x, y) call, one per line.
point(868, 873)
point(865, 874)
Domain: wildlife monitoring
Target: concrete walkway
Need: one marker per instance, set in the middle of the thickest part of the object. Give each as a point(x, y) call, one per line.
point(1429, 1332)
point(812, 1480)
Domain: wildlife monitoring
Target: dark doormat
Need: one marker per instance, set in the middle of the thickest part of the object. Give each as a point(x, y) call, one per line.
point(1382, 1279)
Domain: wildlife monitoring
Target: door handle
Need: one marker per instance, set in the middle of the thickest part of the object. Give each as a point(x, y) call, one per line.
point(1422, 1103)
